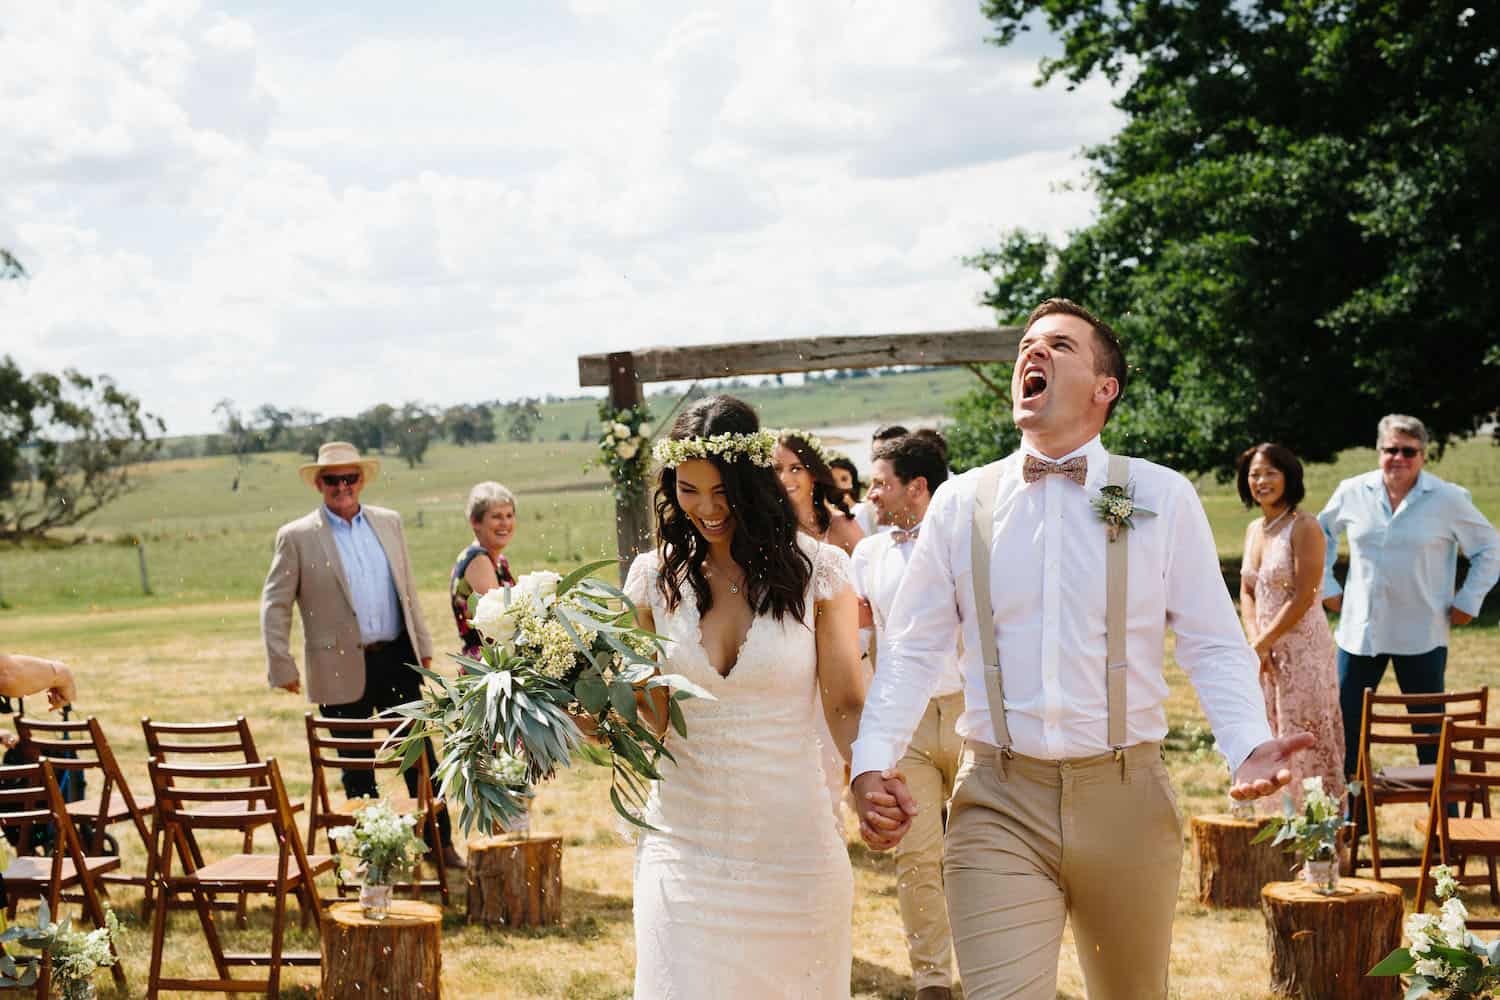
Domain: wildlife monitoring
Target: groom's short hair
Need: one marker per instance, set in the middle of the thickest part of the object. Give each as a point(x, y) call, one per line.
point(1109, 356)
point(923, 453)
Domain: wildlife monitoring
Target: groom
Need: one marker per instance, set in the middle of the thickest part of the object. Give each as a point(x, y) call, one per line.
point(1062, 808)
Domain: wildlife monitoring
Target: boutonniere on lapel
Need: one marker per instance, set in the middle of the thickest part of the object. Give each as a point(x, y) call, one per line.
point(1116, 507)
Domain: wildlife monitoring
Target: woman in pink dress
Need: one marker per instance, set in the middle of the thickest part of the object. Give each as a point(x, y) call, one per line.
point(1281, 583)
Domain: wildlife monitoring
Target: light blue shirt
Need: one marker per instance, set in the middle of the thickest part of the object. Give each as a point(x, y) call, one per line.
point(368, 573)
point(1403, 564)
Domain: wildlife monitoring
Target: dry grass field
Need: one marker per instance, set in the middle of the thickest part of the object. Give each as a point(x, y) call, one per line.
point(205, 661)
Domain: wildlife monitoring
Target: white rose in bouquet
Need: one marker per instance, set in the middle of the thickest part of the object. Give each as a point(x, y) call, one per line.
point(621, 431)
point(493, 616)
point(539, 588)
point(645, 431)
point(627, 450)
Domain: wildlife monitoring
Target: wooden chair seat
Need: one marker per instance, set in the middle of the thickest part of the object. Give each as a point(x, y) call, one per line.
point(1477, 830)
point(249, 870)
point(1412, 778)
point(33, 871)
point(118, 811)
point(237, 808)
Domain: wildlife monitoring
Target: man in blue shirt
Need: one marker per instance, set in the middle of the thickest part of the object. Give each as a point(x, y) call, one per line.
point(1405, 528)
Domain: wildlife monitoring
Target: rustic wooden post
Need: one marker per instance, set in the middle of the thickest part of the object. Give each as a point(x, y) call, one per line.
point(632, 517)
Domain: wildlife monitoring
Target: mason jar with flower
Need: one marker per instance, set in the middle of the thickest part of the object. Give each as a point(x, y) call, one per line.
point(384, 850)
point(1312, 834)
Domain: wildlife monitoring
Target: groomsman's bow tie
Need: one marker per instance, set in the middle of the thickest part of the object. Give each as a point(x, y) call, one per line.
point(901, 537)
point(1076, 469)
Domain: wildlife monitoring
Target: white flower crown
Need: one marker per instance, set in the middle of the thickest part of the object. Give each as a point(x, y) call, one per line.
point(814, 442)
point(756, 446)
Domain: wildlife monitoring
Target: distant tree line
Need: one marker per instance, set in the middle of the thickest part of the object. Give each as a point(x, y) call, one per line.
point(408, 430)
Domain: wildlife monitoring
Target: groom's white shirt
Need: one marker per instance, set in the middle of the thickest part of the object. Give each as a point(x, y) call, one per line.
point(1047, 587)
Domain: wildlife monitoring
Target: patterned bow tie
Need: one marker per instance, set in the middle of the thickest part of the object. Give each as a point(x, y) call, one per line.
point(900, 537)
point(1076, 469)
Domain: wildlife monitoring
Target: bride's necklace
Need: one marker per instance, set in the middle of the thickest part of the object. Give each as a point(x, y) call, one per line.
point(708, 570)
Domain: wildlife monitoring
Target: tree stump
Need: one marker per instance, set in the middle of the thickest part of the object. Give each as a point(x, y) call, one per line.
point(1231, 870)
point(1322, 946)
point(400, 956)
point(515, 880)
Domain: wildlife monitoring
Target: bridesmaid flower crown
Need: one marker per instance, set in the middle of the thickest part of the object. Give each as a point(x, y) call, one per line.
point(755, 446)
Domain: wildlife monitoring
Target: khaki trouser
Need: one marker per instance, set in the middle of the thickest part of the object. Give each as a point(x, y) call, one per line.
point(1032, 842)
point(930, 766)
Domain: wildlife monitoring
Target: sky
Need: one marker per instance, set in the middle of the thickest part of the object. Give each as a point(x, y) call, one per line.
point(327, 206)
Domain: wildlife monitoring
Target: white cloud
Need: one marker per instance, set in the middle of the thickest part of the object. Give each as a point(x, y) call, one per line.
point(331, 210)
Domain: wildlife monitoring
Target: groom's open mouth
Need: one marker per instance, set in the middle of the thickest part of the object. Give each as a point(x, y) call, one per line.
point(1033, 382)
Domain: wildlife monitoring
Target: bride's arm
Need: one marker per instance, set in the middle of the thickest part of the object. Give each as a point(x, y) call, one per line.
point(653, 703)
point(840, 675)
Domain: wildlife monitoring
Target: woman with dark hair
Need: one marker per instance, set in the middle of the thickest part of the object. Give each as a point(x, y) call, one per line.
point(822, 510)
point(1281, 582)
point(743, 888)
point(846, 476)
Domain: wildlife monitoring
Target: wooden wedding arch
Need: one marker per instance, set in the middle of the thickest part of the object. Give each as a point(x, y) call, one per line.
point(624, 372)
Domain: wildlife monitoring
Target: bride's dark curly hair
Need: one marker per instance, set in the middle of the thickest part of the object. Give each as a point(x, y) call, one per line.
point(765, 531)
point(826, 495)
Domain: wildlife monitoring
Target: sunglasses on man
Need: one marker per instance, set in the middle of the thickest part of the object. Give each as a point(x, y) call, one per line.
point(347, 479)
point(1405, 451)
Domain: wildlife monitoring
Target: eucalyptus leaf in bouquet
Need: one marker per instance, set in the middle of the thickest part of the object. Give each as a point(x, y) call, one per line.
point(557, 651)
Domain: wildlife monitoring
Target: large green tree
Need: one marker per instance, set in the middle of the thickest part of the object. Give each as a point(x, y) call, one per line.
point(69, 444)
point(1292, 234)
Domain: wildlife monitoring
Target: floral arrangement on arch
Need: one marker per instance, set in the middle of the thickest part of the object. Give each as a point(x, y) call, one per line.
point(558, 652)
point(76, 955)
point(1445, 960)
point(624, 437)
point(381, 843)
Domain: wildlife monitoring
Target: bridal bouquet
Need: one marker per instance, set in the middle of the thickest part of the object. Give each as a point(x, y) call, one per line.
point(558, 651)
point(1445, 959)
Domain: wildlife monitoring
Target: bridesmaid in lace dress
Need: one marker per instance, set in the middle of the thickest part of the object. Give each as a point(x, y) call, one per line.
point(1281, 586)
point(743, 891)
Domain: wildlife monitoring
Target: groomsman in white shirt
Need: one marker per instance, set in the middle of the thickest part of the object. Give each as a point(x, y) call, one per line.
point(903, 475)
point(1062, 808)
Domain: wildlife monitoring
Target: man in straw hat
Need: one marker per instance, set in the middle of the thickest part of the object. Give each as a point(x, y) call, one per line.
point(346, 567)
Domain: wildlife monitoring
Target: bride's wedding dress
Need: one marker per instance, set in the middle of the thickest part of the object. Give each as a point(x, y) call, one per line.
point(746, 891)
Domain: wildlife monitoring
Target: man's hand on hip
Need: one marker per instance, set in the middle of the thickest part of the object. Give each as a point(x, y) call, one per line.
point(1268, 767)
point(885, 808)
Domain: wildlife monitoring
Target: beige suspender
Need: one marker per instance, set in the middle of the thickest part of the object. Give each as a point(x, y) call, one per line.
point(1116, 572)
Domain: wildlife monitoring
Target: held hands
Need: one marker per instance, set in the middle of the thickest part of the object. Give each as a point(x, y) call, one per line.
point(1268, 767)
point(63, 690)
point(294, 686)
point(1334, 603)
point(885, 808)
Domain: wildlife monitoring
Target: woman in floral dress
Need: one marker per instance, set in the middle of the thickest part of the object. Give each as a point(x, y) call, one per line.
point(1281, 583)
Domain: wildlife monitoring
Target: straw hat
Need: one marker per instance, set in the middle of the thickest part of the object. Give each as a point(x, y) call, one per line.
point(339, 453)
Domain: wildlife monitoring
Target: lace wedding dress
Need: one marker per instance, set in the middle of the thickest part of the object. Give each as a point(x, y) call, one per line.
point(746, 890)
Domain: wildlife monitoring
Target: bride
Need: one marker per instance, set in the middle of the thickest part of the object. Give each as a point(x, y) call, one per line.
point(744, 889)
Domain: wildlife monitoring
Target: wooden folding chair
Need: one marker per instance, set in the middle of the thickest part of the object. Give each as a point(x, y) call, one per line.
point(1388, 720)
point(221, 742)
point(1463, 776)
point(80, 746)
point(189, 798)
point(32, 805)
point(356, 745)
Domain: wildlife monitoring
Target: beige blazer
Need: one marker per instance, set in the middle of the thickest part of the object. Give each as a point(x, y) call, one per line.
point(306, 569)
